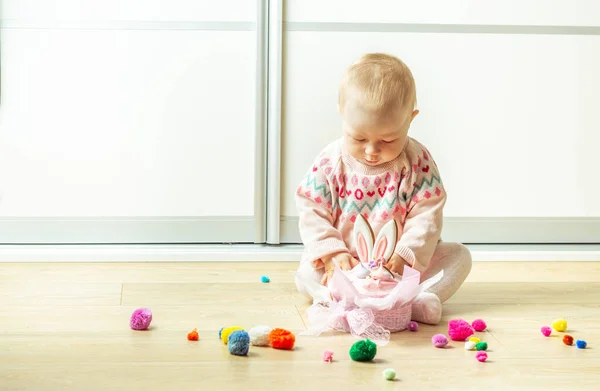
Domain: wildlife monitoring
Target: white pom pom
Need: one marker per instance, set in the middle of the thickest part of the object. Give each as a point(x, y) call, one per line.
point(259, 335)
point(470, 345)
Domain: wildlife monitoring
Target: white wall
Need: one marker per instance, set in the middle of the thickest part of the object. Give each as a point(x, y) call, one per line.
point(127, 108)
point(512, 119)
point(129, 120)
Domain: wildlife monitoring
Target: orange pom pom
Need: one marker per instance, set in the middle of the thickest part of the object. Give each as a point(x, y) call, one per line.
point(193, 335)
point(568, 340)
point(282, 339)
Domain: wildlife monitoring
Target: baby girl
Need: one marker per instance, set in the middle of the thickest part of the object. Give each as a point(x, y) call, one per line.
point(378, 171)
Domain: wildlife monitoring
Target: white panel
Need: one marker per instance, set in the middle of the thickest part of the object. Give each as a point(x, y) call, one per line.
point(128, 10)
point(521, 12)
point(511, 120)
point(127, 123)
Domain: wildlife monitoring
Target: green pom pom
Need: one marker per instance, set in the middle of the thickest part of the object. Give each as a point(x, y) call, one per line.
point(481, 346)
point(363, 350)
point(389, 374)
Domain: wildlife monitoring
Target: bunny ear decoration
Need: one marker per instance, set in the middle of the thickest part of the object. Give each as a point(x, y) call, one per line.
point(386, 241)
point(363, 239)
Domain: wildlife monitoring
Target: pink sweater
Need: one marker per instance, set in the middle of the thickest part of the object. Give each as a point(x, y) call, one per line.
point(337, 187)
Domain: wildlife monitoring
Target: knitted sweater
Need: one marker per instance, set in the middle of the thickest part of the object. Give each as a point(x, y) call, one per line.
point(337, 187)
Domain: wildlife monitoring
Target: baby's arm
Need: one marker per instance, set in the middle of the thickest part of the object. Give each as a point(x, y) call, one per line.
point(315, 204)
point(426, 198)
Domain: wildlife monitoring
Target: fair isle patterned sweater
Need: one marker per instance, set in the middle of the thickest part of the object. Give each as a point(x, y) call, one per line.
point(337, 187)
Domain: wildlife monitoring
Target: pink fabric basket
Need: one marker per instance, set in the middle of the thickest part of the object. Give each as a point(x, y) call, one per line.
point(365, 314)
point(396, 318)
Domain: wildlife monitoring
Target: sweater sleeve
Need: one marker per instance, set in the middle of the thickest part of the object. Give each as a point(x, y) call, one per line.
point(316, 211)
point(425, 200)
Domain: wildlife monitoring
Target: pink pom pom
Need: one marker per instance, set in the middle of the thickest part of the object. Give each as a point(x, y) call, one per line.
point(413, 326)
point(459, 330)
point(140, 319)
point(546, 331)
point(439, 340)
point(479, 325)
point(328, 356)
point(481, 356)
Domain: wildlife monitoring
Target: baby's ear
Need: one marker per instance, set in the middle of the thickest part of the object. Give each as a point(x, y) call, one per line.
point(363, 239)
point(386, 241)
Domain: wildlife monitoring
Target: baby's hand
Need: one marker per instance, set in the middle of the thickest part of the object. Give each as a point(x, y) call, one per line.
point(396, 264)
point(344, 260)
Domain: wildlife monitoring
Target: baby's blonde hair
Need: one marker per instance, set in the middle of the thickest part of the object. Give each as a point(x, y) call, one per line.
point(382, 82)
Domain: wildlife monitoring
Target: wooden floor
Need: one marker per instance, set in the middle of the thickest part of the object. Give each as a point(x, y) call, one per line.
point(66, 327)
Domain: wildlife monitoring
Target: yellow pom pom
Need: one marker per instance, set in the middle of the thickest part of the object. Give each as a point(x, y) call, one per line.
point(474, 339)
point(226, 332)
point(559, 325)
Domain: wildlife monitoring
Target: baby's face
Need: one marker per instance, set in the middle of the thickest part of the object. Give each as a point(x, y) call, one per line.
point(375, 140)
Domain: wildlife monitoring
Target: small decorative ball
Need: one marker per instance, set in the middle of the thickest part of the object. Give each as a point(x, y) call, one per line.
point(479, 325)
point(328, 356)
point(568, 340)
point(364, 350)
point(474, 339)
point(481, 346)
point(481, 356)
point(259, 335)
point(546, 331)
point(226, 332)
point(265, 279)
point(439, 340)
point(193, 335)
point(141, 319)
point(282, 339)
point(239, 343)
point(470, 345)
point(459, 330)
point(581, 344)
point(413, 326)
point(389, 374)
point(559, 325)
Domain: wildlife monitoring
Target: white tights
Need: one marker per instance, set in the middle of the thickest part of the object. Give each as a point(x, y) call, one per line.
point(455, 260)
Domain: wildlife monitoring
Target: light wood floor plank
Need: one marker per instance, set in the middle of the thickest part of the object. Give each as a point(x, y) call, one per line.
point(251, 373)
point(59, 293)
point(250, 272)
point(245, 294)
point(529, 293)
point(210, 317)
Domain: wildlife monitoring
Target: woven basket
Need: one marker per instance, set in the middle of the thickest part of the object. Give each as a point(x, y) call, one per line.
point(396, 318)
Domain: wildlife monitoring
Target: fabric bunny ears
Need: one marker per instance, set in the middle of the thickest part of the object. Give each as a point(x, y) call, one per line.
point(374, 252)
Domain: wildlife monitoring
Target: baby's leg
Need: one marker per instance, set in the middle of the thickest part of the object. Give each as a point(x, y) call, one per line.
point(308, 282)
point(455, 260)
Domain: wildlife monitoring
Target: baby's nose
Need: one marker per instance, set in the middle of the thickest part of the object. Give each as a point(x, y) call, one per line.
point(371, 149)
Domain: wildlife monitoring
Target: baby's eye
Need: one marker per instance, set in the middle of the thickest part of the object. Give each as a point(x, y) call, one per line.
point(388, 141)
point(360, 140)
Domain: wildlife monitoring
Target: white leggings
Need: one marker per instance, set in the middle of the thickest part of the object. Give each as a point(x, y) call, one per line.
point(453, 258)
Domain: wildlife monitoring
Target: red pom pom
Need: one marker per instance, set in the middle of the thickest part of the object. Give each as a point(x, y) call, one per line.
point(193, 335)
point(479, 325)
point(282, 339)
point(459, 330)
point(568, 340)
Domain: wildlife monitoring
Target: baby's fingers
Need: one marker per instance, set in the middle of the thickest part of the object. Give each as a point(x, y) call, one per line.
point(326, 276)
point(345, 263)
